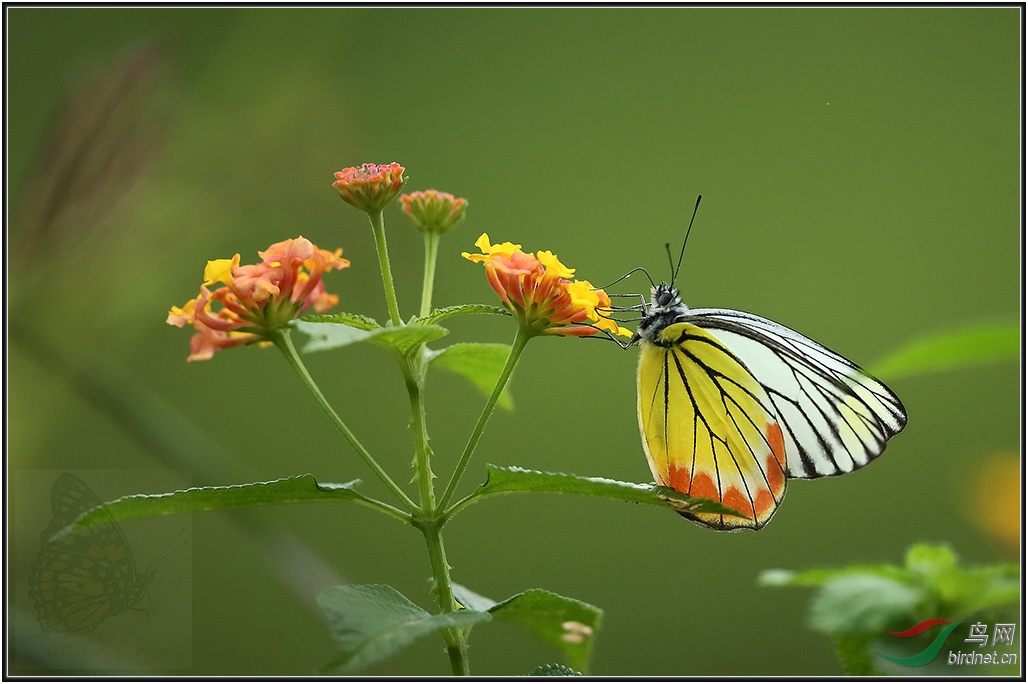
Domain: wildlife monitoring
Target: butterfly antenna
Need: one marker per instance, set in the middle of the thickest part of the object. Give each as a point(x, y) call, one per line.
point(674, 274)
point(637, 269)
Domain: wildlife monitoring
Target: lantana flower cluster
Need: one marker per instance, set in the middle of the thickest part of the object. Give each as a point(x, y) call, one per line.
point(539, 293)
point(254, 300)
point(370, 187)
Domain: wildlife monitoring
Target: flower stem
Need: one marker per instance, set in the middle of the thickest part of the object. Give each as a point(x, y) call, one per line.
point(283, 341)
point(431, 251)
point(442, 586)
point(422, 452)
point(512, 360)
point(429, 521)
point(378, 226)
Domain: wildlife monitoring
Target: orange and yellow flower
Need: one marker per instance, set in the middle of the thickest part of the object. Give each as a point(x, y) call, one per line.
point(538, 291)
point(255, 299)
point(371, 187)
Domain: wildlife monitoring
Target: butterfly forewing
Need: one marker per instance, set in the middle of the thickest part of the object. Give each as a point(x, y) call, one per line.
point(835, 417)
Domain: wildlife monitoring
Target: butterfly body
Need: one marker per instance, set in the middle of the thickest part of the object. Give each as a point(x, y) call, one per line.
point(78, 580)
point(732, 405)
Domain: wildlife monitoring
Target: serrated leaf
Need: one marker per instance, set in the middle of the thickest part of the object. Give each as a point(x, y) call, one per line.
point(403, 340)
point(286, 490)
point(470, 599)
point(353, 320)
point(564, 623)
point(554, 670)
point(567, 624)
point(512, 479)
point(459, 310)
point(479, 362)
point(857, 603)
point(324, 335)
point(371, 622)
point(965, 346)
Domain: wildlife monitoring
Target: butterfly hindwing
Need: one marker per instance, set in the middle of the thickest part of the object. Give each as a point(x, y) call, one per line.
point(78, 580)
point(709, 428)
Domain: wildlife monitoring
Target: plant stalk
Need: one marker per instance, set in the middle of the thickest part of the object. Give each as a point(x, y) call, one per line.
point(455, 638)
point(378, 226)
point(431, 252)
point(283, 341)
point(422, 452)
point(516, 348)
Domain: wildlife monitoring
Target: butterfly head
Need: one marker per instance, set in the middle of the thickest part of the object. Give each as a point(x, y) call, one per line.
point(665, 307)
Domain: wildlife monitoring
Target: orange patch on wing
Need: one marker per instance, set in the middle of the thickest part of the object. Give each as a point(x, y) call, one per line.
point(735, 499)
point(777, 442)
point(679, 479)
point(765, 504)
point(703, 486)
point(775, 476)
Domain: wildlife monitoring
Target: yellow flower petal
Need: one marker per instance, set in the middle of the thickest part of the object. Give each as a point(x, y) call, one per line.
point(584, 296)
point(553, 266)
point(219, 270)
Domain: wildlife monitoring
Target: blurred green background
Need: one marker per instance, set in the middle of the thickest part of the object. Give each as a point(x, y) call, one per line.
point(860, 173)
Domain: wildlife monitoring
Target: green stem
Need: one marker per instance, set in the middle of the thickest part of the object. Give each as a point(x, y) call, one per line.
point(285, 344)
point(431, 251)
point(378, 226)
point(512, 360)
point(429, 522)
point(455, 638)
point(422, 453)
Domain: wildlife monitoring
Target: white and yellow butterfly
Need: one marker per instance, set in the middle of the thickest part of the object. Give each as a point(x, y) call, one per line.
point(731, 405)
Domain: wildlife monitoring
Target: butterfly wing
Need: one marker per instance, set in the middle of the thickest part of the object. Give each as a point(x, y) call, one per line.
point(80, 579)
point(709, 428)
point(835, 417)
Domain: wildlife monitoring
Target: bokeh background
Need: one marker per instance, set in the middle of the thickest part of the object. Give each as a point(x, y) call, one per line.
point(860, 173)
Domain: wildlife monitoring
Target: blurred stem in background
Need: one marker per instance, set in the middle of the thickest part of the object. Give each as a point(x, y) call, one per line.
point(105, 137)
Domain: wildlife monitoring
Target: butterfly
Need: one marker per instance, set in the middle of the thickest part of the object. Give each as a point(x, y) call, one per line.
point(78, 580)
point(732, 405)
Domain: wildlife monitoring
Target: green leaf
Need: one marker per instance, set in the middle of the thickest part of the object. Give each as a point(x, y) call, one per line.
point(564, 623)
point(930, 559)
point(353, 320)
point(470, 599)
point(287, 490)
point(372, 621)
point(459, 310)
point(554, 670)
point(855, 655)
point(567, 624)
point(324, 335)
point(856, 603)
point(511, 479)
point(479, 362)
point(969, 345)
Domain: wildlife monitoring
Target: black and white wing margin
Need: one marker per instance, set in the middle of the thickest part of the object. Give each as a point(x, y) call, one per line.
point(834, 417)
